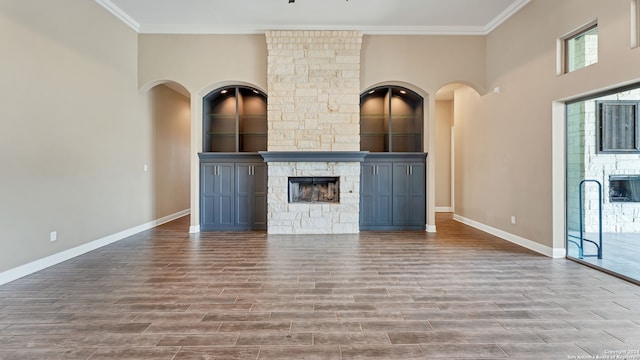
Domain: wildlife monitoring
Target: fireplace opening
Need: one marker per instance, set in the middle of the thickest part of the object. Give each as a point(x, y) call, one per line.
point(624, 188)
point(314, 189)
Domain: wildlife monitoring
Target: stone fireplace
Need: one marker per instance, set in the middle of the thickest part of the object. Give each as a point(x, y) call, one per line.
point(313, 128)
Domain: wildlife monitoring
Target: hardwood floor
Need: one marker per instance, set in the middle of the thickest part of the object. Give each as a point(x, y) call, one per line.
point(459, 293)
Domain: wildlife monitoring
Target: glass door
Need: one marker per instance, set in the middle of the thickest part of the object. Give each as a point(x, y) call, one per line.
point(603, 182)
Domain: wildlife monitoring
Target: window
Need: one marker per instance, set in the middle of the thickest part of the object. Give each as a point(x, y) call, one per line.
point(581, 49)
point(617, 126)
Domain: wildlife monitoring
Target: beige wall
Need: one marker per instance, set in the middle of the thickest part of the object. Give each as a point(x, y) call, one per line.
point(75, 130)
point(425, 64)
point(171, 143)
point(444, 121)
point(201, 63)
point(506, 143)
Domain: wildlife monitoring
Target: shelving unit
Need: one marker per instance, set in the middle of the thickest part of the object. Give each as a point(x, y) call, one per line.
point(391, 120)
point(235, 120)
point(393, 175)
point(233, 177)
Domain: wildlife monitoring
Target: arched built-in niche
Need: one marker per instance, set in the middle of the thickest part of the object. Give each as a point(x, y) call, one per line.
point(394, 172)
point(391, 120)
point(234, 120)
point(232, 175)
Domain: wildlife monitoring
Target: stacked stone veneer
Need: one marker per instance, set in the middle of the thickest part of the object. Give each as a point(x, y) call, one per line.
point(617, 216)
point(314, 105)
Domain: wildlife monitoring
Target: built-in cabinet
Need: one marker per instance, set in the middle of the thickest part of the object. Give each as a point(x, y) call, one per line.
point(393, 175)
point(393, 192)
point(233, 177)
point(233, 192)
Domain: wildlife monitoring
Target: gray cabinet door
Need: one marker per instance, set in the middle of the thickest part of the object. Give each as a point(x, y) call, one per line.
point(260, 196)
point(251, 192)
point(393, 192)
point(217, 205)
point(375, 195)
point(417, 194)
point(409, 194)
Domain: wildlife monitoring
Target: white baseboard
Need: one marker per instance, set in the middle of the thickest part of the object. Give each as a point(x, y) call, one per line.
point(559, 253)
point(194, 229)
point(518, 240)
point(445, 209)
point(430, 228)
point(40, 264)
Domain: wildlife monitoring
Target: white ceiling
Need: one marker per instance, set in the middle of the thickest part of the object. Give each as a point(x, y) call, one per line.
point(473, 17)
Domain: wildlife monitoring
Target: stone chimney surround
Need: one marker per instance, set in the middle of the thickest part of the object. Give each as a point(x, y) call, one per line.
point(313, 117)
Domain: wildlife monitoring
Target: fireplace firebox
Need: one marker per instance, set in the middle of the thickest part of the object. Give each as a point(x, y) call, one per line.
point(624, 188)
point(314, 189)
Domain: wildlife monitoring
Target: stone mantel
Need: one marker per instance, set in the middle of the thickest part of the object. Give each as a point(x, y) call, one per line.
point(313, 156)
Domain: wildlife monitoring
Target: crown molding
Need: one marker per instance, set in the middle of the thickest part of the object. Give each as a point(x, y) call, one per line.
point(257, 29)
point(261, 29)
point(120, 14)
point(506, 14)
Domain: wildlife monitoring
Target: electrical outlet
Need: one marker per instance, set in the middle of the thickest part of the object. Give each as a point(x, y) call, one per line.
point(53, 236)
point(513, 219)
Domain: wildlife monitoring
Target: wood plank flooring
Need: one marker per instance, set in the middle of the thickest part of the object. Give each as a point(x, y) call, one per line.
point(459, 293)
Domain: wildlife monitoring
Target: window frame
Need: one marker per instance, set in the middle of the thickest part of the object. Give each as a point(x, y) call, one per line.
point(635, 24)
point(564, 44)
point(600, 127)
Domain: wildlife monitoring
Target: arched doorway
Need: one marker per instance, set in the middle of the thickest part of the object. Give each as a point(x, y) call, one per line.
point(453, 111)
point(170, 105)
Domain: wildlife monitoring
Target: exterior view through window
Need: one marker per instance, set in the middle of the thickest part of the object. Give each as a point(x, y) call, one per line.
point(603, 182)
point(581, 49)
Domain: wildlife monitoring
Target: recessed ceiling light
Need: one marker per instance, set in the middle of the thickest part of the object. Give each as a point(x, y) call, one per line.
point(402, 92)
point(223, 91)
point(372, 91)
